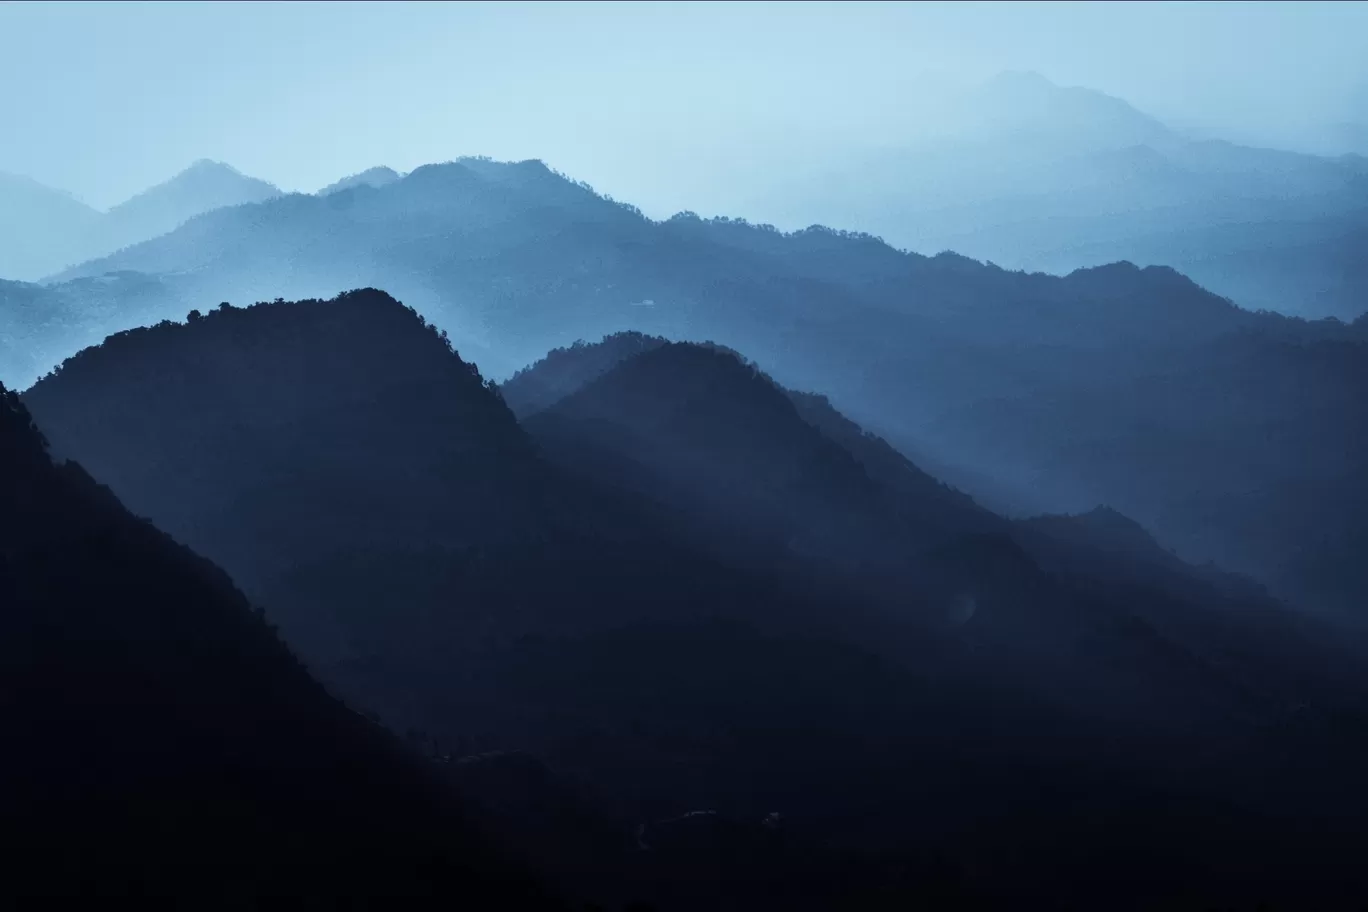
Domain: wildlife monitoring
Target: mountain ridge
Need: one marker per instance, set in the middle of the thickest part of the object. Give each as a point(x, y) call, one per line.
point(936, 354)
point(154, 713)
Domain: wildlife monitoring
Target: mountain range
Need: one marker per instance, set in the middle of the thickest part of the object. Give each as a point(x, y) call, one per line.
point(685, 586)
point(1017, 171)
point(43, 231)
point(1035, 176)
point(690, 564)
point(1233, 435)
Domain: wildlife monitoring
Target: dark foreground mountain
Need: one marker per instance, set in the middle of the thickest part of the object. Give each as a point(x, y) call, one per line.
point(699, 427)
point(1234, 435)
point(161, 742)
point(681, 632)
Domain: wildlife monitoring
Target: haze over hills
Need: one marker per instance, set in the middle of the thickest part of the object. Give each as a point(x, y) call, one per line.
point(37, 225)
point(202, 187)
point(690, 633)
point(1041, 177)
point(979, 524)
point(43, 230)
point(942, 355)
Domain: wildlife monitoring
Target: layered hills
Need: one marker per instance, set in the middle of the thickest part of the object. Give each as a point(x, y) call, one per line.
point(163, 741)
point(686, 586)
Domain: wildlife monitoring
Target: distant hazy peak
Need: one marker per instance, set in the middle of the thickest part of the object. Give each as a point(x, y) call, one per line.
point(10, 182)
point(1020, 81)
point(492, 168)
point(379, 176)
point(205, 184)
point(209, 165)
point(1017, 100)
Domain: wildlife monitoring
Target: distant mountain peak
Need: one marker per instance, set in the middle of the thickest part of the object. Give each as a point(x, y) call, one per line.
point(210, 165)
point(1021, 79)
point(41, 227)
point(1026, 101)
point(203, 186)
point(207, 178)
point(378, 176)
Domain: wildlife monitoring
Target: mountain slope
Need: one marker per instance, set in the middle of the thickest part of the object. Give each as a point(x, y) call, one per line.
point(434, 564)
point(379, 176)
point(41, 229)
point(1030, 107)
point(695, 426)
point(204, 186)
point(162, 740)
point(698, 427)
point(44, 231)
point(1031, 175)
point(729, 443)
point(937, 354)
point(337, 457)
point(268, 510)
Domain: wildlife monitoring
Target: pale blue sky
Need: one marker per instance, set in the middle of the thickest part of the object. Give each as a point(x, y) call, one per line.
point(649, 101)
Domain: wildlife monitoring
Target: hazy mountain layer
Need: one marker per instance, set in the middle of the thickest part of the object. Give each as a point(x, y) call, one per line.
point(43, 231)
point(1030, 175)
point(37, 227)
point(1116, 366)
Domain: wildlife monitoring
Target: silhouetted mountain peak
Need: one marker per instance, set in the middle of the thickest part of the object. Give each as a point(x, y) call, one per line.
point(1113, 525)
point(379, 176)
point(492, 168)
point(361, 329)
point(566, 370)
point(688, 390)
point(20, 439)
point(301, 404)
point(439, 176)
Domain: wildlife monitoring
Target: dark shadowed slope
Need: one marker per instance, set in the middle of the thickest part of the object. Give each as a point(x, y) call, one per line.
point(1104, 610)
point(715, 437)
point(697, 427)
point(324, 414)
point(428, 563)
point(566, 370)
point(161, 742)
